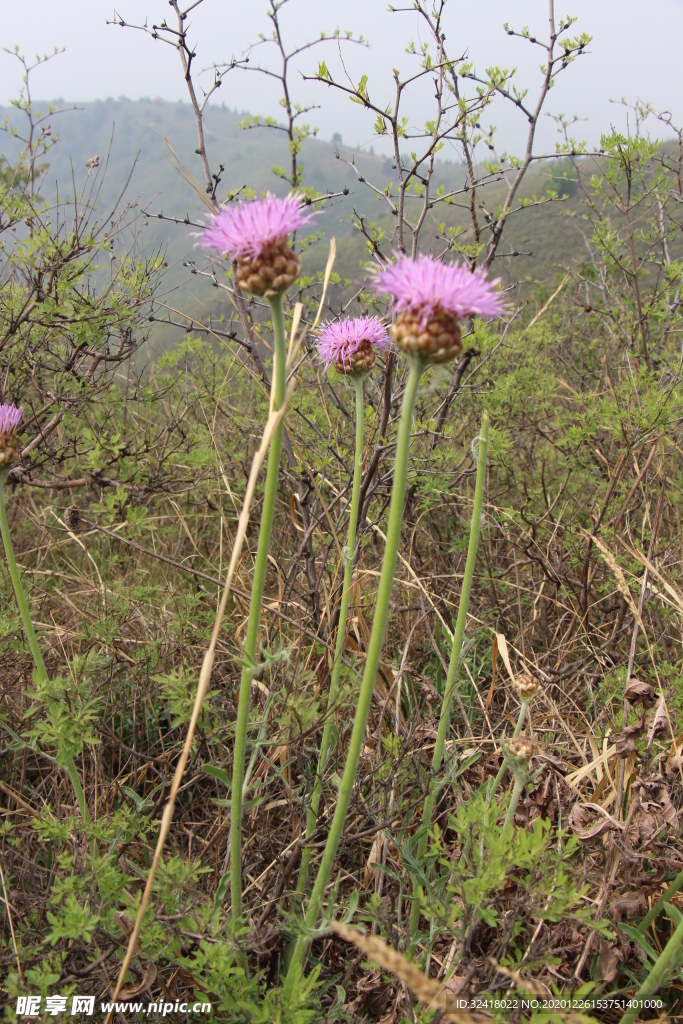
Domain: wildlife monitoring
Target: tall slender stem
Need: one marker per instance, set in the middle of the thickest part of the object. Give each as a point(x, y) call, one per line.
point(269, 498)
point(456, 649)
point(41, 671)
point(349, 552)
point(517, 790)
point(372, 657)
point(655, 977)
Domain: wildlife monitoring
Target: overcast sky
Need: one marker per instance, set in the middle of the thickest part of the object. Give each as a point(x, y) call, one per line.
point(635, 53)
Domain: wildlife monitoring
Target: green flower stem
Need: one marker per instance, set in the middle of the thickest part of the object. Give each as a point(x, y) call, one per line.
point(518, 728)
point(269, 498)
point(517, 790)
point(456, 649)
point(341, 633)
point(41, 671)
point(373, 654)
point(655, 977)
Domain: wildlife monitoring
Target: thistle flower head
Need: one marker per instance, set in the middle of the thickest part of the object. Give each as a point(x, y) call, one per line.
point(350, 344)
point(425, 287)
point(10, 417)
point(246, 229)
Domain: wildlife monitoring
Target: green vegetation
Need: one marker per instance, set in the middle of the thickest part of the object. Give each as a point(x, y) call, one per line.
point(476, 871)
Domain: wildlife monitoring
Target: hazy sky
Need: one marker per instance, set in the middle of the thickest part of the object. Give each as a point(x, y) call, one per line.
point(635, 53)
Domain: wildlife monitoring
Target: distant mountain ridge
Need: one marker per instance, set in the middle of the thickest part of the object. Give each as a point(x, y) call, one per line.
point(128, 136)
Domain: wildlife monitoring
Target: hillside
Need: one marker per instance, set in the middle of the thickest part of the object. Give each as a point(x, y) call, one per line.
point(129, 139)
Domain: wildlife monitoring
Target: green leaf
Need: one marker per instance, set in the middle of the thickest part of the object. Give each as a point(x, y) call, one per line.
point(640, 940)
point(217, 773)
point(673, 913)
point(221, 890)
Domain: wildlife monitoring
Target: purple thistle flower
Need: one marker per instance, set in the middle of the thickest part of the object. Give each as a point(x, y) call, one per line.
point(339, 341)
point(245, 229)
point(10, 418)
point(425, 286)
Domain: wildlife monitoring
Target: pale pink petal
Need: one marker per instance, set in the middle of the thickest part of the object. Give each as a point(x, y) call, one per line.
point(424, 285)
point(10, 417)
point(245, 229)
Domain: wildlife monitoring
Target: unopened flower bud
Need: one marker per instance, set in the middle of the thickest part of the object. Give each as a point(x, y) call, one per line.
point(522, 748)
point(72, 518)
point(526, 686)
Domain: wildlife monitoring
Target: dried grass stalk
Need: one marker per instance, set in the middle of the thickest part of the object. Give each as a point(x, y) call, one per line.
point(426, 989)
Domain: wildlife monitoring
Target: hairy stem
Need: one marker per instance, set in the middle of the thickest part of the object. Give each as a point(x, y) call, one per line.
point(456, 649)
point(269, 498)
point(373, 654)
point(341, 633)
point(41, 671)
